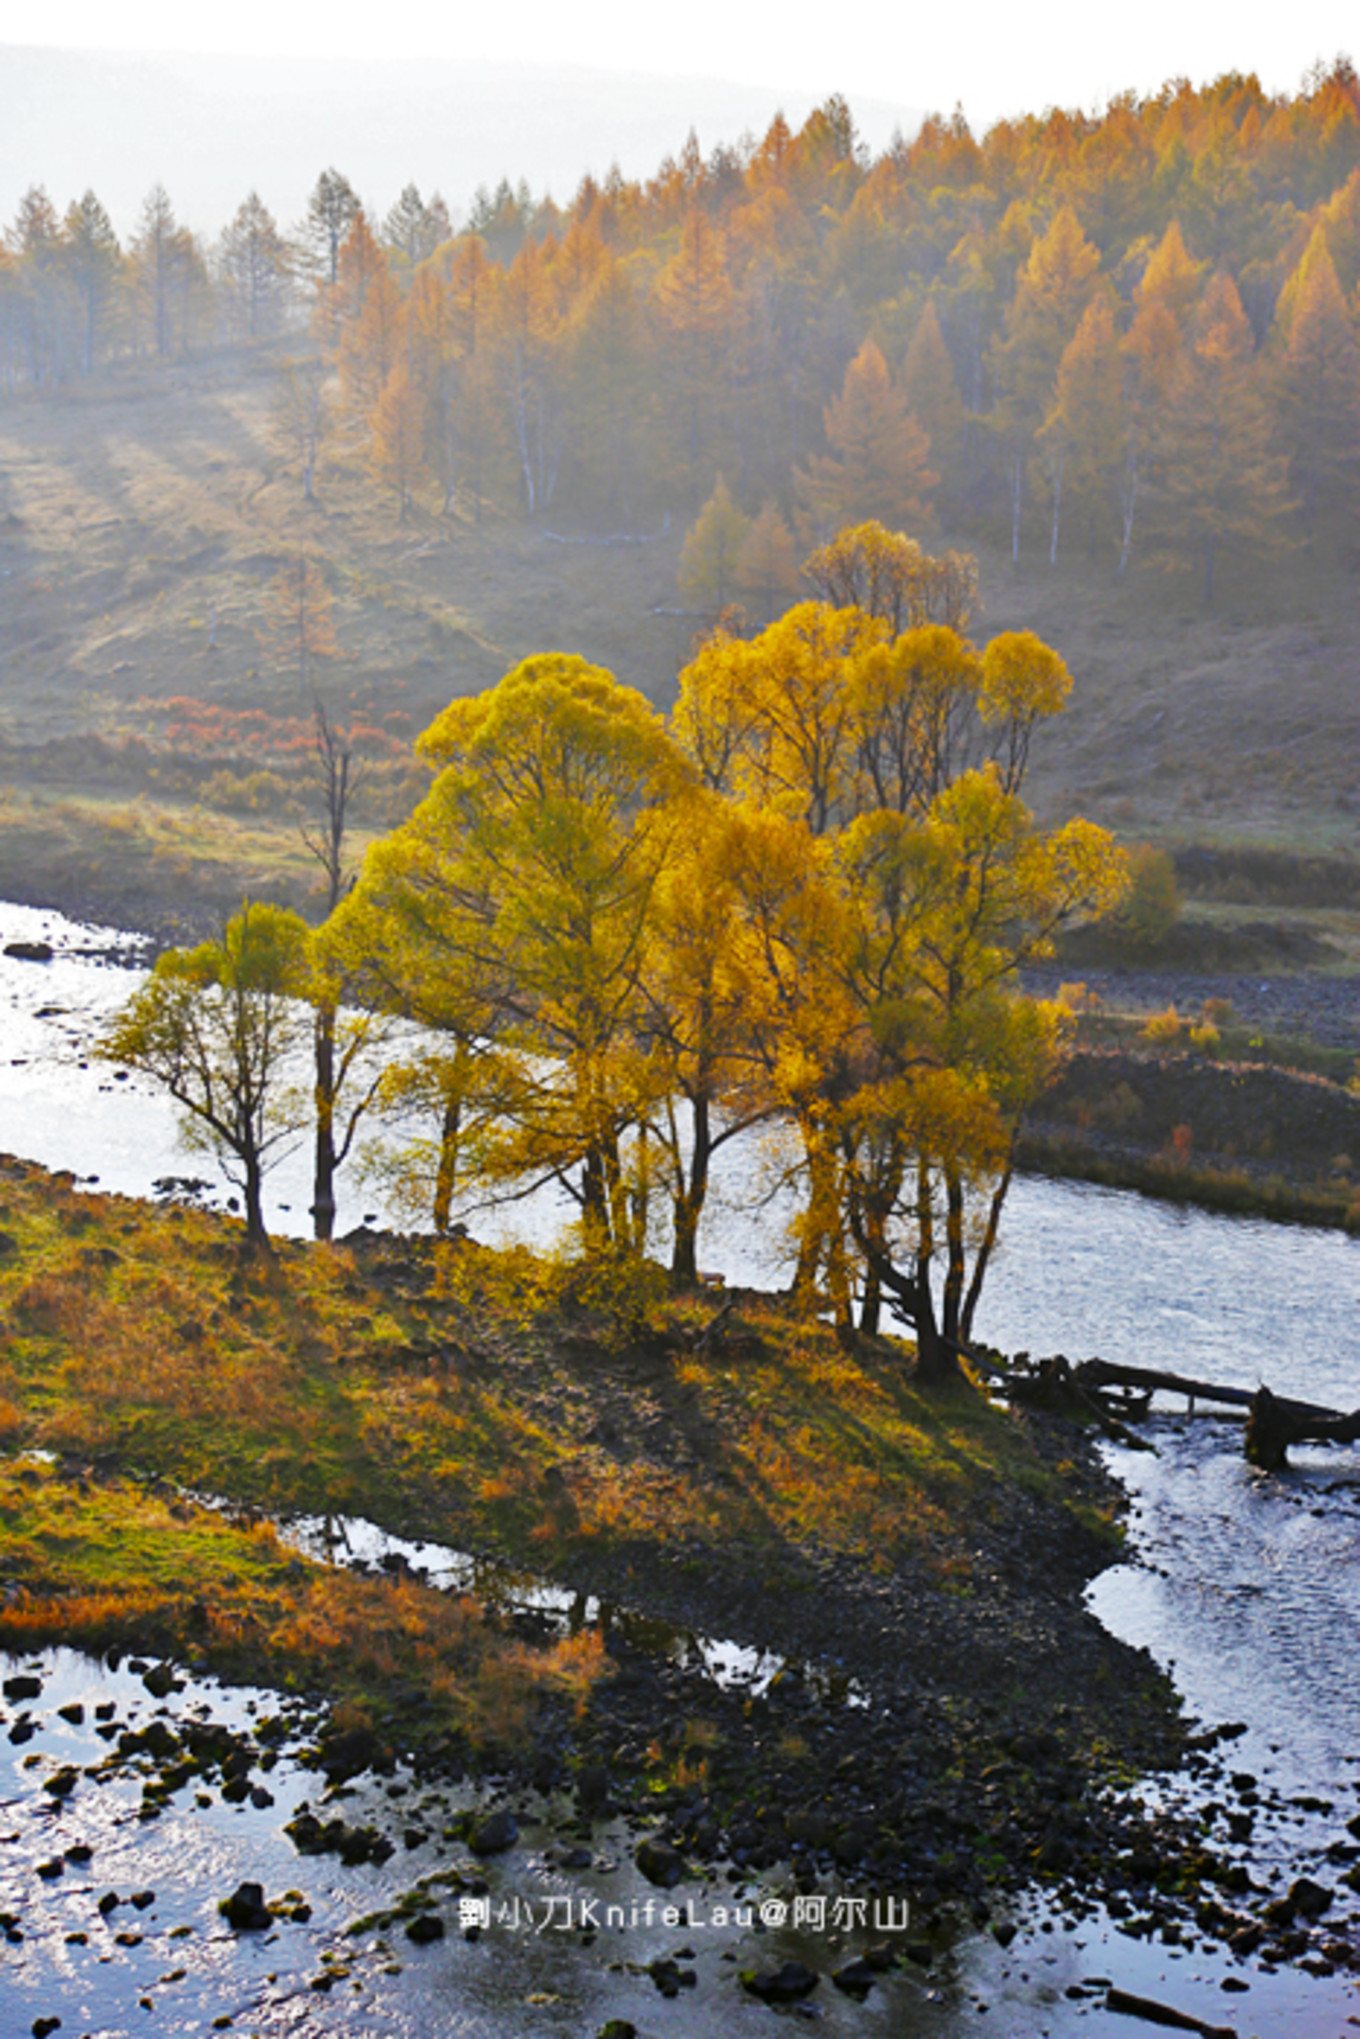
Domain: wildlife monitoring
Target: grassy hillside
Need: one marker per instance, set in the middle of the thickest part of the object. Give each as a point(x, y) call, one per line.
point(144, 517)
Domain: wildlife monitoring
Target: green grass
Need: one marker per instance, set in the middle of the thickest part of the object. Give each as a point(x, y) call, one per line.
point(104, 1562)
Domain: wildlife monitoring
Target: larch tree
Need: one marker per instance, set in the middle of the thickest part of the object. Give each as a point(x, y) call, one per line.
point(1051, 294)
point(1164, 303)
point(767, 564)
point(1223, 482)
point(253, 264)
point(694, 303)
point(301, 416)
point(331, 212)
point(413, 229)
point(931, 391)
point(1083, 441)
point(610, 399)
point(36, 240)
point(398, 437)
point(92, 259)
point(710, 558)
point(164, 265)
point(469, 416)
point(877, 463)
point(1317, 383)
point(528, 335)
point(371, 341)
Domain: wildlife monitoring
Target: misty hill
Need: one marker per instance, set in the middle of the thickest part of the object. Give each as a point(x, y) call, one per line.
point(211, 127)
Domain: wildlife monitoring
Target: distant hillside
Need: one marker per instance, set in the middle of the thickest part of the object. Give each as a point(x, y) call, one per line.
point(211, 127)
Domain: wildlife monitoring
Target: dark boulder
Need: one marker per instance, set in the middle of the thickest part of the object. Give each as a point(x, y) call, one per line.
point(245, 1910)
point(428, 1927)
point(660, 1863)
point(493, 1835)
point(786, 1985)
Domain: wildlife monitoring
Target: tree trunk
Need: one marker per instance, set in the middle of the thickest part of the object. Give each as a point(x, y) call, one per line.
point(323, 1168)
point(952, 1300)
point(689, 1204)
point(983, 1255)
point(446, 1175)
point(253, 1187)
point(871, 1304)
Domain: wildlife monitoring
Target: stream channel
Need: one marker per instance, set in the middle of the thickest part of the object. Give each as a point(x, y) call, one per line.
point(1246, 1587)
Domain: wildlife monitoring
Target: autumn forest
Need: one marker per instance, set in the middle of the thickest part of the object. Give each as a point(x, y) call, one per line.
point(1129, 338)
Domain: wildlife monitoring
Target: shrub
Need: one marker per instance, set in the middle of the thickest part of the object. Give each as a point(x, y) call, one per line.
point(1152, 905)
point(1163, 1028)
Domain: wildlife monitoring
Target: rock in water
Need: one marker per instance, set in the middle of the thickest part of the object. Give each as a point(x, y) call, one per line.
point(856, 1979)
point(660, 1863)
point(493, 1835)
point(786, 1985)
point(429, 1926)
point(246, 1910)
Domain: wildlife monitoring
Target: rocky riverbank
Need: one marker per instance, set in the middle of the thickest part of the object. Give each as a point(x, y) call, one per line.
point(1242, 1137)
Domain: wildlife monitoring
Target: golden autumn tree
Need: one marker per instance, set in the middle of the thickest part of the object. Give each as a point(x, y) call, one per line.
point(1223, 482)
point(1051, 293)
point(877, 462)
point(469, 423)
point(398, 437)
point(611, 400)
point(697, 1017)
point(371, 340)
point(887, 884)
point(694, 304)
point(357, 260)
point(1084, 438)
point(1317, 383)
point(523, 888)
point(889, 575)
point(767, 565)
point(931, 391)
point(711, 556)
point(528, 330)
point(1164, 303)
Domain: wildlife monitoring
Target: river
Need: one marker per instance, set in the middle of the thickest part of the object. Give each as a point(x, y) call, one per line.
point(1247, 1587)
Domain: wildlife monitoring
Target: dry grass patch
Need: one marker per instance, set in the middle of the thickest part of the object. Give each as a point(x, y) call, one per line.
point(99, 1564)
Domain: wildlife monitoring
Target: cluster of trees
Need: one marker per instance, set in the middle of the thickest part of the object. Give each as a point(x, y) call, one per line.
point(72, 296)
point(1135, 331)
point(611, 944)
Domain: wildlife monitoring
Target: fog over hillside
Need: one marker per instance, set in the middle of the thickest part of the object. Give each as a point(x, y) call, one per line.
point(212, 128)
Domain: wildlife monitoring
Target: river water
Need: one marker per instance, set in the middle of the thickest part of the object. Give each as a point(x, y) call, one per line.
point(1247, 1587)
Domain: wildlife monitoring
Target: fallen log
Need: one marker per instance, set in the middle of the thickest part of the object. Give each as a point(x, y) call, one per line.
point(1100, 1373)
point(1055, 1385)
point(1163, 2014)
point(1273, 1425)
